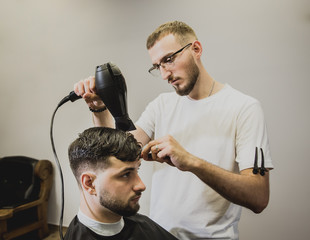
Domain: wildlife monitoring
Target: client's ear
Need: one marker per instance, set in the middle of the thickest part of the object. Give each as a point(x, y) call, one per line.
point(87, 182)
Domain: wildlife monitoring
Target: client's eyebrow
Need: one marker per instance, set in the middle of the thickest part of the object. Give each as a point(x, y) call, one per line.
point(129, 169)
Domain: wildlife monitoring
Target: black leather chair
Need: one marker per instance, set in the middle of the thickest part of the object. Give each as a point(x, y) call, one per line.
point(25, 185)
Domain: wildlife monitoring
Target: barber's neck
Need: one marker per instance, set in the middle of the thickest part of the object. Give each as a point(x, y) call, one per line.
point(203, 86)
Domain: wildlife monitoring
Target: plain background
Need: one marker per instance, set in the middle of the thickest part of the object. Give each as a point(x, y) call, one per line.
point(260, 47)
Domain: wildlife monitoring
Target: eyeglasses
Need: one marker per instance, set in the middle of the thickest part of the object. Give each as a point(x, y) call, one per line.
point(166, 62)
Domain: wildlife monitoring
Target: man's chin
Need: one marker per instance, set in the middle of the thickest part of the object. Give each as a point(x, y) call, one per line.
point(181, 92)
point(130, 211)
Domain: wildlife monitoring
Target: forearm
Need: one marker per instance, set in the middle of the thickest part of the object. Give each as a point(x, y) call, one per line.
point(103, 119)
point(245, 189)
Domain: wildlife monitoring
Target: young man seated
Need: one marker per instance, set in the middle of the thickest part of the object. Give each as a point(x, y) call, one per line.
point(105, 163)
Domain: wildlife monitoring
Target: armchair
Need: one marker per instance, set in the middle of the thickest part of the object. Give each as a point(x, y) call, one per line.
point(25, 185)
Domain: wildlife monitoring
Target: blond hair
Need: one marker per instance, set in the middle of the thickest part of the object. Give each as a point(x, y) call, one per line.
point(180, 30)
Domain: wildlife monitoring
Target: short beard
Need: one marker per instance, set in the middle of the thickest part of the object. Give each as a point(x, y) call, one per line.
point(193, 74)
point(117, 206)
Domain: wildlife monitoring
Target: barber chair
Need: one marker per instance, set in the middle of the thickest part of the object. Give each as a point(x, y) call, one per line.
point(25, 185)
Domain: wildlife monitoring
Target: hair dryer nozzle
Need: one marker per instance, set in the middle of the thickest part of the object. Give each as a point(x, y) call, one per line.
point(124, 123)
point(111, 87)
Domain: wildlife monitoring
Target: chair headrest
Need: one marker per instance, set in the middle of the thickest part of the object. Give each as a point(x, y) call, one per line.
point(18, 182)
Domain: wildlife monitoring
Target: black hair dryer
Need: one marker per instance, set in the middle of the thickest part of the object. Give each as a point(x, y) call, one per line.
point(111, 88)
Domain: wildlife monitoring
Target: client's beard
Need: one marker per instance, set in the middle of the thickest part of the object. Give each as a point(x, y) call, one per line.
point(118, 206)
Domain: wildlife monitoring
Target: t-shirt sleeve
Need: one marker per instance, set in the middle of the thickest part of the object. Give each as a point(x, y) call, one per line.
point(251, 133)
point(147, 118)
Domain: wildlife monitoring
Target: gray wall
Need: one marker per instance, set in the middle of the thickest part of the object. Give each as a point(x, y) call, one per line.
point(259, 47)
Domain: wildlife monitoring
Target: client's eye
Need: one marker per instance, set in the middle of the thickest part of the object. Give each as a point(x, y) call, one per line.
point(126, 175)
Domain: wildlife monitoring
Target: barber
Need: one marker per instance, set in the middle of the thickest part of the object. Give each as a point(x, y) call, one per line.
point(205, 131)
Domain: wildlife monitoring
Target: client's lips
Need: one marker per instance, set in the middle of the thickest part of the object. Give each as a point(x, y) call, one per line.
point(136, 198)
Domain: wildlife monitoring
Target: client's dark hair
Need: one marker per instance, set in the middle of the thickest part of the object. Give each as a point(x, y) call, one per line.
point(94, 146)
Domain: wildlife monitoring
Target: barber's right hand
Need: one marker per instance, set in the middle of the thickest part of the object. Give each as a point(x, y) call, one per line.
point(87, 90)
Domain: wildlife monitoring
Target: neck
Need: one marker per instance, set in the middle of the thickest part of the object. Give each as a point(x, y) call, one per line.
point(204, 87)
point(95, 211)
point(103, 229)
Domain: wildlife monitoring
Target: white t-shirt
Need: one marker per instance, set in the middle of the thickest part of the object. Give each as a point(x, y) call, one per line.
point(223, 129)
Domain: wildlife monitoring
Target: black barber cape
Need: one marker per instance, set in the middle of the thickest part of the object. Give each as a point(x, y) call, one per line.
point(137, 227)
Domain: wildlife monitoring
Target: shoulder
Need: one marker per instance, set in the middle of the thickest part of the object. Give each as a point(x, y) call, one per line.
point(150, 228)
point(233, 93)
point(236, 100)
point(166, 97)
point(164, 101)
point(73, 228)
point(77, 230)
point(140, 219)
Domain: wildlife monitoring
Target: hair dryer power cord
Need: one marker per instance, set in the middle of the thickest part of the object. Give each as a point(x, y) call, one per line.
point(72, 97)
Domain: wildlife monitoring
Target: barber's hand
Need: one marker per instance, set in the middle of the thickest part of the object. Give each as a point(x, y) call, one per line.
point(167, 149)
point(86, 88)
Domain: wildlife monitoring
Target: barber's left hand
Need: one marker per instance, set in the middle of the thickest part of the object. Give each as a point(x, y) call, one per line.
point(167, 149)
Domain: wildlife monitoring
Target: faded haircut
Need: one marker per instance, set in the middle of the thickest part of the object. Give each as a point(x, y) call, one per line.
point(180, 30)
point(93, 148)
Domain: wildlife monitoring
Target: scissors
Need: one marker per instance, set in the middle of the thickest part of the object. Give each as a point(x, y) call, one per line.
point(262, 169)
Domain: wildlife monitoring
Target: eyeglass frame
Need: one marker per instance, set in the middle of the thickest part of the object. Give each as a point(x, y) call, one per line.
point(166, 60)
